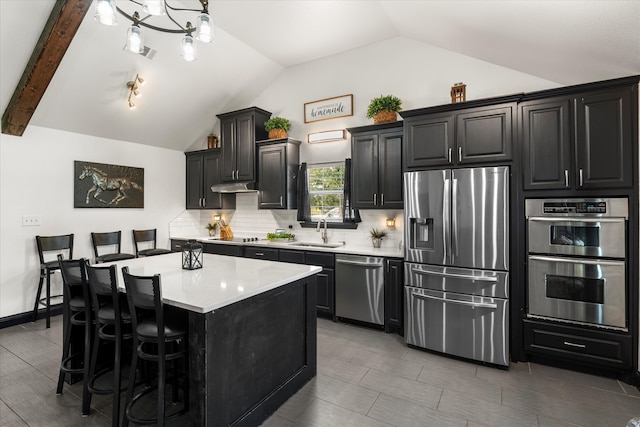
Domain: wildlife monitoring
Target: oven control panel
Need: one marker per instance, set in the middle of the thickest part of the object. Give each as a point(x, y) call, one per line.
point(566, 207)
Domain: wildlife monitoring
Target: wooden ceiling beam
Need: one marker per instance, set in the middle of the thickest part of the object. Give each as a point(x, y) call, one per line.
point(61, 27)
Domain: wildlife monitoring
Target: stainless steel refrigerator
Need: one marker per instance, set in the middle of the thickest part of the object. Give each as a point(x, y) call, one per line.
point(457, 262)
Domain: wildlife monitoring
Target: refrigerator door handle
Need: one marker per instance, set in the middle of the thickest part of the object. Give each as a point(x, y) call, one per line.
point(446, 218)
point(446, 300)
point(457, 276)
point(454, 219)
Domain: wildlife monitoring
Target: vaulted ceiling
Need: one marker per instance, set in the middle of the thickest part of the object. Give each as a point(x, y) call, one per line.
point(567, 42)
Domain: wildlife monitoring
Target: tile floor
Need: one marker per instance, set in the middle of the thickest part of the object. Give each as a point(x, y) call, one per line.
point(365, 378)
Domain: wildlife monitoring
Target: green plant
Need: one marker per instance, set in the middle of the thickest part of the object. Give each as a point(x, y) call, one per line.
point(377, 233)
point(289, 236)
point(277, 123)
point(211, 226)
point(388, 102)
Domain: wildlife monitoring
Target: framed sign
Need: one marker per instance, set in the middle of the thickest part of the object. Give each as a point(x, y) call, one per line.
point(330, 108)
point(99, 185)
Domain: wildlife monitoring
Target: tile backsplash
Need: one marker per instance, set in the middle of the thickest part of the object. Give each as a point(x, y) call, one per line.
point(247, 220)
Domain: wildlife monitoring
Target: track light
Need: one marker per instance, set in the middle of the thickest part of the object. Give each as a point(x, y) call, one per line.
point(134, 90)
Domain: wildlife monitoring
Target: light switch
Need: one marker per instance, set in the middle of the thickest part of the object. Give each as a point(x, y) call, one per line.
point(30, 220)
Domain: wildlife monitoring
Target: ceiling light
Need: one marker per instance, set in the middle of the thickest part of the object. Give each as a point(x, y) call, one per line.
point(134, 90)
point(203, 31)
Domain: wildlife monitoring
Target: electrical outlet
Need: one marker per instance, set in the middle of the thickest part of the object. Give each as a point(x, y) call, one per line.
point(30, 220)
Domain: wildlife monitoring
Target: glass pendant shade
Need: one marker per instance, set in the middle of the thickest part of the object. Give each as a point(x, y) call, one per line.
point(106, 12)
point(154, 7)
point(188, 49)
point(204, 29)
point(135, 42)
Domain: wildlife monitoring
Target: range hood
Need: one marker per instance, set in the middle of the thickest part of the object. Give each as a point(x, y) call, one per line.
point(235, 187)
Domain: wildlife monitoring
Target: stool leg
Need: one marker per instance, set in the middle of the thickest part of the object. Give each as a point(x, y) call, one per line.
point(117, 377)
point(162, 371)
point(37, 304)
point(48, 298)
point(86, 396)
point(66, 327)
point(132, 381)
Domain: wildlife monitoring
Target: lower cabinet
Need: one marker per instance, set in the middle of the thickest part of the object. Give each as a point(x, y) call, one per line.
point(176, 245)
point(394, 296)
point(222, 249)
point(573, 344)
point(261, 253)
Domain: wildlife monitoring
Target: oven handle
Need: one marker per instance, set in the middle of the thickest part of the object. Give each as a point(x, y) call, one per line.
point(472, 304)
point(575, 219)
point(458, 276)
point(575, 261)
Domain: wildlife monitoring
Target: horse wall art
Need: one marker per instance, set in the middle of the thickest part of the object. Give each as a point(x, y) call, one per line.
point(99, 185)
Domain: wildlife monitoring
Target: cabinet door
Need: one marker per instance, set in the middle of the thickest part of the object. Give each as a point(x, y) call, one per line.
point(194, 181)
point(393, 297)
point(245, 147)
point(364, 152)
point(261, 253)
point(390, 170)
point(211, 171)
point(272, 177)
point(484, 135)
point(604, 138)
point(228, 144)
point(428, 141)
point(545, 129)
point(325, 286)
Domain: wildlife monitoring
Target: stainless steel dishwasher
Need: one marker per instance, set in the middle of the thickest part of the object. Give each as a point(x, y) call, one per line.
point(360, 288)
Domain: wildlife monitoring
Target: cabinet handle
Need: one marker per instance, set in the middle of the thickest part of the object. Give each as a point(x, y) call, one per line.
point(204, 202)
point(259, 253)
point(381, 199)
point(459, 154)
point(280, 201)
point(233, 175)
point(566, 177)
point(375, 199)
point(581, 179)
point(572, 344)
point(237, 174)
point(449, 156)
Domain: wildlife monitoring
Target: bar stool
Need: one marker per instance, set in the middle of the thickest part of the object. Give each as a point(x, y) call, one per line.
point(76, 313)
point(50, 244)
point(112, 239)
point(147, 236)
point(156, 338)
point(112, 325)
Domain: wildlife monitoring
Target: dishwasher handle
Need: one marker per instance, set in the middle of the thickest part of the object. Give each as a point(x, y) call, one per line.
point(467, 303)
point(359, 263)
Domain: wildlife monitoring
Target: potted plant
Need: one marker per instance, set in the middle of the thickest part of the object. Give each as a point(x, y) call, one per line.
point(383, 109)
point(212, 227)
point(376, 236)
point(277, 127)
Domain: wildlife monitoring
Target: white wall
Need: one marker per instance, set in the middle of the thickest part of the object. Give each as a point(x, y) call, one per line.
point(37, 177)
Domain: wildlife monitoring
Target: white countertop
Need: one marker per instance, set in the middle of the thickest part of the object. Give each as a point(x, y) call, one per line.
point(342, 249)
point(221, 281)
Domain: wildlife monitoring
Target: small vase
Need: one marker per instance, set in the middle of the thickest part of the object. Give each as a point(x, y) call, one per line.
point(385, 116)
point(376, 242)
point(212, 233)
point(277, 134)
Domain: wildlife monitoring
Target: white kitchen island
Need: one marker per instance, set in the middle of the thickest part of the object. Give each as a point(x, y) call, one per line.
point(252, 332)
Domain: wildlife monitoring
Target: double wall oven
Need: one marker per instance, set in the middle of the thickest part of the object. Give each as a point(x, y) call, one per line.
point(577, 261)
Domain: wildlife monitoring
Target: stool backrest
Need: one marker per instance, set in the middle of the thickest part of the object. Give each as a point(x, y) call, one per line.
point(103, 284)
point(106, 239)
point(54, 243)
point(74, 279)
point(145, 298)
point(140, 236)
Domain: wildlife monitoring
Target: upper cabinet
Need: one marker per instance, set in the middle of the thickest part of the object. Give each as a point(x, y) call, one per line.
point(278, 173)
point(203, 171)
point(459, 134)
point(580, 141)
point(239, 131)
point(376, 153)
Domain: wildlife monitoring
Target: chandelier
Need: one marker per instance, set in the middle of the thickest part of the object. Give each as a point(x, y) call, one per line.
point(203, 31)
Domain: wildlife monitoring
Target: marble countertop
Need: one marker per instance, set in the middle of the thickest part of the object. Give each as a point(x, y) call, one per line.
point(341, 249)
point(221, 281)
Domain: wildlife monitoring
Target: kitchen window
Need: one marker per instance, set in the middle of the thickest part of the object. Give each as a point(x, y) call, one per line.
point(325, 195)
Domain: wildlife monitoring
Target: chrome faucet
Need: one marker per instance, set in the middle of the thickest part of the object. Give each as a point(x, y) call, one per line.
point(324, 232)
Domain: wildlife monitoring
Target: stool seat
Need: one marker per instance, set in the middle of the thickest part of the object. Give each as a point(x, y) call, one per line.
point(77, 303)
point(142, 238)
point(107, 314)
point(113, 257)
point(112, 240)
point(149, 331)
point(153, 251)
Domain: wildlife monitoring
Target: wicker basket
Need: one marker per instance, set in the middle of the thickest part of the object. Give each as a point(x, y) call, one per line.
point(385, 116)
point(277, 134)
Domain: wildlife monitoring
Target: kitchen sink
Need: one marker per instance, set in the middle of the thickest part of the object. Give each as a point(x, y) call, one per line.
point(315, 245)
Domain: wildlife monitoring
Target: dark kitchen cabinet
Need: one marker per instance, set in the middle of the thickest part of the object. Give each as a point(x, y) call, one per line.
point(579, 141)
point(203, 171)
point(376, 153)
point(261, 253)
point(394, 296)
point(239, 131)
point(278, 173)
point(223, 249)
point(435, 137)
point(176, 245)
